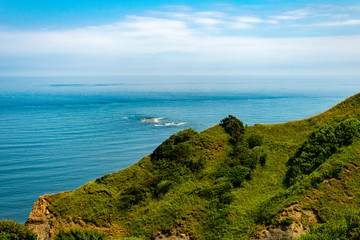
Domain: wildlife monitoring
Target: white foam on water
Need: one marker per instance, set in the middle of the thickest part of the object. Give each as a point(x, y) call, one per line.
point(151, 120)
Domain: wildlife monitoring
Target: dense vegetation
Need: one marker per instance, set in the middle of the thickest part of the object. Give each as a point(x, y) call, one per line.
point(85, 234)
point(319, 146)
point(345, 227)
point(78, 234)
point(230, 181)
point(10, 230)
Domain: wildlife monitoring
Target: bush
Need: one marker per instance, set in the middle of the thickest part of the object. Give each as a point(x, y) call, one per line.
point(227, 198)
point(10, 230)
point(181, 153)
point(347, 130)
point(240, 155)
point(196, 164)
point(165, 150)
point(217, 190)
point(163, 187)
point(175, 153)
point(80, 234)
point(254, 140)
point(287, 221)
point(176, 157)
point(263, 159)
point(234, 127)
point(319, 146)
point(132, 196)
point(236, 175)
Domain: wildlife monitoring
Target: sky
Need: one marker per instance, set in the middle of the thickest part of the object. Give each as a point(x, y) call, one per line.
point(113, 38)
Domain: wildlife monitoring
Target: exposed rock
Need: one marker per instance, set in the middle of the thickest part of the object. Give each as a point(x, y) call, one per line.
point(151, 120)
point(40, 218)
point(173, 235)
point(45, 224)
point(293, 231)
point(294, 221)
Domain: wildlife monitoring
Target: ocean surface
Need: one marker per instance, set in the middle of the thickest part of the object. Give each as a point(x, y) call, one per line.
point(57, 134)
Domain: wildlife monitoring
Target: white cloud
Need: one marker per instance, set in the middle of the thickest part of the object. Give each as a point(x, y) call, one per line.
point(179, 42)
point(240, 25)
point(249, 20)
point(349, 22)
point(213, 14)
point(148, 26)
point(207, 21)
point(111, 48)
point(354, 7)
point(245, 22)
point(294, 15)
point(272, 21)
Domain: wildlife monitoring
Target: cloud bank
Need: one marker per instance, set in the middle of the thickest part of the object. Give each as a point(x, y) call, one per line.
point(182, 40)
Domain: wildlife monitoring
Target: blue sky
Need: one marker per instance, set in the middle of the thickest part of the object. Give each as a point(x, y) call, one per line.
point(66, 38)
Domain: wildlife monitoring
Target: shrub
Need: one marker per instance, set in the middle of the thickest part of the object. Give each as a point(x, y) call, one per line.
point(210, 191)
point(176, 158)
point(347, 130)
point(254, 140)
point(184, 135)
point(10, 230)
point(240, 155)
point(236, 175)
point(80, 234)
point(132, 196)
point(227, 198)
point(181, 153)
point(234, 127)
point(319, 146)
point(163, 187)
point(287, 221)
point(165, 150)
point(262, 160)
point(196, 164)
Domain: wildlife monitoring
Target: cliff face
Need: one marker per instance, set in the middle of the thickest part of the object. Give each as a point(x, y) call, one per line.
point(220, 184)
point(43, 221)
point(40, 219)
point(301, 217)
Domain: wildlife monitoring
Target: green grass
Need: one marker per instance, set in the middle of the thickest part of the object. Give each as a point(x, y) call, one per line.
point(211, 184)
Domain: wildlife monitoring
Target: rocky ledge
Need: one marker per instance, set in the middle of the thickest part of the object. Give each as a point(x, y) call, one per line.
point(40, 218)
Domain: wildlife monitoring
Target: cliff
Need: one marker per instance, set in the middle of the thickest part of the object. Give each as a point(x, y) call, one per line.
point(40, 218)
point(229, 181)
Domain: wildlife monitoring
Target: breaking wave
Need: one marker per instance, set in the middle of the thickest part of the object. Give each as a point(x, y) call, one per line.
point(151, 120)
point(170, 124)
point(162, 122)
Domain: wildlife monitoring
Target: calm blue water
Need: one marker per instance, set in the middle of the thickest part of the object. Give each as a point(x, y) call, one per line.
point(56, 134)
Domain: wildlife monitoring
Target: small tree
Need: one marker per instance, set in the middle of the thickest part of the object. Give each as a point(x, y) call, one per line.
point(234, 127)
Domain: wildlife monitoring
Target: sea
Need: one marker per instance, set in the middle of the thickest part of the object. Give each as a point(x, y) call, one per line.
point(58, 133)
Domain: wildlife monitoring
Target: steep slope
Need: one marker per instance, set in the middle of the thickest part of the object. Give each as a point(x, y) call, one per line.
point(227, 182)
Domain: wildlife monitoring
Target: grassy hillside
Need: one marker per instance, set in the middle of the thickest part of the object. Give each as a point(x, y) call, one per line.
point(228, 182)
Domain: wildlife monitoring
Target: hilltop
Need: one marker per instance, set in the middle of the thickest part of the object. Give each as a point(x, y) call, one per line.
point(266, 181)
